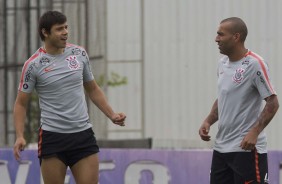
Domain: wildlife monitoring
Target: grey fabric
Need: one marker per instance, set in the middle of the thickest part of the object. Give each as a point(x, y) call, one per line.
point(242, 87)
point(58, 80)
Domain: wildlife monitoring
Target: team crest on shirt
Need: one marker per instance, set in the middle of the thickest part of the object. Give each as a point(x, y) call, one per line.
point(73, 64)
point(238, 76)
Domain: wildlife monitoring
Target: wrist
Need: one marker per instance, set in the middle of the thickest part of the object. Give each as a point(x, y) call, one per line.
point(19, 135)
point(256, 130)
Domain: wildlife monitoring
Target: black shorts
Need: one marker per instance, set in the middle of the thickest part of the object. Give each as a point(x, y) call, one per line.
point(68, 147)
point(239, 168)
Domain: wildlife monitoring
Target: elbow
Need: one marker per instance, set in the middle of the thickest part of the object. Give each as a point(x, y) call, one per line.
point(272, 104)
point(276, 105)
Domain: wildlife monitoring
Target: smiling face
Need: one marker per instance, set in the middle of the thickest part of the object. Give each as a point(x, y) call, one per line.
point(226, 39)
point(57, 38)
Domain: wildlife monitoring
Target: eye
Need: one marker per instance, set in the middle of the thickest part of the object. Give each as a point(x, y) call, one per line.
point(60, 28)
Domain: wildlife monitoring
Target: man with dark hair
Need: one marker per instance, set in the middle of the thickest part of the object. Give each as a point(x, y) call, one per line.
point(60, 72)
point(240, 153)
point(47, 20)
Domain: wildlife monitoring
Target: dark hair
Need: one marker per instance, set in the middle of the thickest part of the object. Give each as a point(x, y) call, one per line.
point(48, 19)
point(238, 26)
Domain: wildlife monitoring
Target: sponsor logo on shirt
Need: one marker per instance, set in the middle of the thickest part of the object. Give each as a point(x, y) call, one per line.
point(260, 77)
point(266, 180)
point(73, 64)
point(25, 86)
point(76, 51)
point(28, 73)
point(48, 69)
point(44, 61)
point(258, 73)
point(238, 76)
point(262, 81)
point(246, 62)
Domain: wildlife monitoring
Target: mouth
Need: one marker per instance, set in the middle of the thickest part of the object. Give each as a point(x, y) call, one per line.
point(65, 38)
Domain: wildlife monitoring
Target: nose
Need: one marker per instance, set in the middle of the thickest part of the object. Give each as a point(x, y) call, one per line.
point(216, 39)
point(66, 31)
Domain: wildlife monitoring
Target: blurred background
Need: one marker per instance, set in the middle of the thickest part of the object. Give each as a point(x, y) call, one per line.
point(154, 59)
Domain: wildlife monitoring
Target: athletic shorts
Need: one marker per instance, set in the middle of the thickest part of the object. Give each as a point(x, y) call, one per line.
point(68, 147)
point(239, 168)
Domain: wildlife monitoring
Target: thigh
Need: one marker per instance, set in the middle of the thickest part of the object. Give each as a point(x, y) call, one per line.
point(86, 170)
point(69, 147)
point(86, 146)
point(221, 173)
point(53, 170)
point(251, 167)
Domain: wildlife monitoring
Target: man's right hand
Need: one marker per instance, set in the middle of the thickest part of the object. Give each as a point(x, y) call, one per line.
point(204, 131)
point(18, 147)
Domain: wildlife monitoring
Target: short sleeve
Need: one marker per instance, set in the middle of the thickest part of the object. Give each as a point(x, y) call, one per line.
point(262, 80)
point(28, 77)
point(87, 72)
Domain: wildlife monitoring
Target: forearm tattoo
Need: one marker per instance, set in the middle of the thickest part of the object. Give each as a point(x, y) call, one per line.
point(268, 112)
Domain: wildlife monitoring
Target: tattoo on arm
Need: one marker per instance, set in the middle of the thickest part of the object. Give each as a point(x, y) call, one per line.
point(268, 112)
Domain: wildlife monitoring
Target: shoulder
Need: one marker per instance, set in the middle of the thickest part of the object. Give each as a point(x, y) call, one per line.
point(223, 60)
point(36, 58)
point(78, 51)
point(255, 60)
point(75, 49)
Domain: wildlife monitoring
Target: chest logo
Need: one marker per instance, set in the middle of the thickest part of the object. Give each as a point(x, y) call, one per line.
point(73, 64)
point(238, 76)
point(49, 68)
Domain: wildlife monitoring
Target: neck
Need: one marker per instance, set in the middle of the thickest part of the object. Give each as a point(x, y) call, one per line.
point(238, 54)
point(52, 50)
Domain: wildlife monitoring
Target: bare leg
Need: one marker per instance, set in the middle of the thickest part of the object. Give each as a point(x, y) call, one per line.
point(53, 171)
point(86, 170)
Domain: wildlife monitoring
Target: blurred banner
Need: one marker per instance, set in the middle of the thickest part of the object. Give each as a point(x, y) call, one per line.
point(130, 166)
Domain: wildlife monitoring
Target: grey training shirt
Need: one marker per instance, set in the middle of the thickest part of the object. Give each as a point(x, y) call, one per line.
point(58, 80)
point(242, 86)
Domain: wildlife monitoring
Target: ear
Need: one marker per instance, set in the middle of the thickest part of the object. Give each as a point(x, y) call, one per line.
point(44, 32)
point(237, 36)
